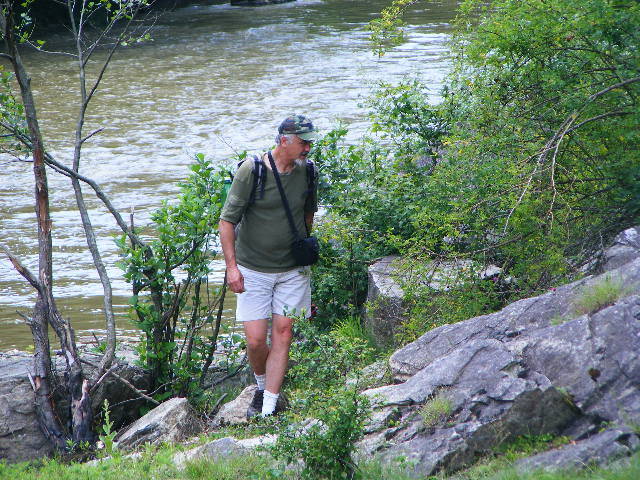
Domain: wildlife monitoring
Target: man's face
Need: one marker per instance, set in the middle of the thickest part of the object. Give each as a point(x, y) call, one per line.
point(298, 148)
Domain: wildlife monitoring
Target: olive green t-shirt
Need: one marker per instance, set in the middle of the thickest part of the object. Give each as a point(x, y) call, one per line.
point(263, 235)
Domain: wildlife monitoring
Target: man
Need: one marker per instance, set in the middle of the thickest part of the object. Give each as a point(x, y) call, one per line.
point(256, 240)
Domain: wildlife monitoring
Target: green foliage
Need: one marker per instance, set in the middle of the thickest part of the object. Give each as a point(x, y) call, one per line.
point(326, 444)
point(321, 361)
point(436, 410)
point(603, 293)
point(326, 418)
point(12, 120)
point(386, 31)
point(403, 115)
point(173, 303)
point(108, 434)
point(434, 298)
point(361, 225)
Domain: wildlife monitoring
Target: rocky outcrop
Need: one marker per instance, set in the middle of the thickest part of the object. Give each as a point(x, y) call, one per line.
point(223, 448)
point(20, 436)
point(600, 449)
point(171, 422)
point(385, 299)
point(564, 362)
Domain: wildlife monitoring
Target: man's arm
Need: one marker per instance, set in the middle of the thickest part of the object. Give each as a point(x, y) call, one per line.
point(235, 280)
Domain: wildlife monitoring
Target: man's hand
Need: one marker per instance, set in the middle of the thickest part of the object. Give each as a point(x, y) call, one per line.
point(235, 280)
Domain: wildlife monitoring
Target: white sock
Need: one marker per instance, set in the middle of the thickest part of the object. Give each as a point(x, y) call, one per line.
point(261, 380)
point(269, 402)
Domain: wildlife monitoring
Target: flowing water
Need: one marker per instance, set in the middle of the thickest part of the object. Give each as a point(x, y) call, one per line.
point(214, 79)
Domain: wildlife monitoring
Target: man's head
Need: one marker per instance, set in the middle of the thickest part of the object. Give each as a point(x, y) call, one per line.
point(298, 125)
point(295, 134)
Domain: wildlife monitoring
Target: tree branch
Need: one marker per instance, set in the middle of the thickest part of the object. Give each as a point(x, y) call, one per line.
point(123, 380)
point(22, 270)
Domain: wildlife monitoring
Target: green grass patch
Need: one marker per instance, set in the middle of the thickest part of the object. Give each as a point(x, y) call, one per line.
point(600, 294)
point(436, 410)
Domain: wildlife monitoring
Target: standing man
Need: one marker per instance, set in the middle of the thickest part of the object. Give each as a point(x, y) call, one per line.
point(256, 240)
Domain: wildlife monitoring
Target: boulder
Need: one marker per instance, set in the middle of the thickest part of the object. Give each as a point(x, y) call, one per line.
point(541, 365)
point(235, 411)
point(386, 308)
point(20, 436)
point(598, 450)
point(625, 248)
point(223, 448)
point(172, 421)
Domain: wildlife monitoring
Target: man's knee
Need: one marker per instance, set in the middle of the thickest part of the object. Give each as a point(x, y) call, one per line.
point(256, 342)
point(282, 332)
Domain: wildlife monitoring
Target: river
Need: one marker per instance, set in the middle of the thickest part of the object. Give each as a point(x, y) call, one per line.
point(214, 79)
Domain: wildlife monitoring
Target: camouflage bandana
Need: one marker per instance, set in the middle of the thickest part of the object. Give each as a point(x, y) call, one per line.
point(298, 125)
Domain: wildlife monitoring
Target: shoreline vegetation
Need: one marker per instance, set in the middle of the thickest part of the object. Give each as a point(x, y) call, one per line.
point(528, 163)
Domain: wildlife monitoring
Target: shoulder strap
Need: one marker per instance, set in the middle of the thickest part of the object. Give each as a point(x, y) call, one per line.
point(311, 177)
point(285, 203)
point(259, 179)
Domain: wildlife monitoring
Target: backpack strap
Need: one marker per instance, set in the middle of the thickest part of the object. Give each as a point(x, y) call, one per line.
point(312, 175)
point(259, 179)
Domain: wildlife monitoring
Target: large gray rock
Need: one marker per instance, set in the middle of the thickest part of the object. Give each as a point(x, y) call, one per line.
point(223, 448)
point(20, 436)
point(172, 421)
point(541, 365)
point(386, 307)
point(625, 248)
point(235, 411)
point(599, 450)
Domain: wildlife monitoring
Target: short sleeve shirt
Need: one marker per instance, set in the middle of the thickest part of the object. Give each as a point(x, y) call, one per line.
point(263, 235)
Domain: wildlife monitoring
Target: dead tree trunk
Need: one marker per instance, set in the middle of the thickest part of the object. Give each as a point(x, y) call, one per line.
point(45, 312)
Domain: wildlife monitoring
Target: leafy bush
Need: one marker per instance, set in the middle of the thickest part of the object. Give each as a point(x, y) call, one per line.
point(325, 417)
point(172, 302)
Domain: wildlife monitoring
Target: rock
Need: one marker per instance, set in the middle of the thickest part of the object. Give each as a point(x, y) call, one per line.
point(488, 403)
point(540, 365)
point(625, 248)
point(235, 411)
point(172, 421)
point(385, 299)
point(600, 449)
point(20, 436)
point(373, 375)
point(385, 303)
point(223, 448)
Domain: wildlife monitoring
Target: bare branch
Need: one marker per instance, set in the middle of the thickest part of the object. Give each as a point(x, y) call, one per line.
point(92, 134)
point(22, 270)
point(123, 380)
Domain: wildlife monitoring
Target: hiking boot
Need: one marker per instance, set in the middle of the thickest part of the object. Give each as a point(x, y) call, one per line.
point(255, 407)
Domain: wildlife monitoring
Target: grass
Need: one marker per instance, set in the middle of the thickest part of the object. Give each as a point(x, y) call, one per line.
point(436, 410)
point(353, 327)
point(600, 294)
point(156, 464)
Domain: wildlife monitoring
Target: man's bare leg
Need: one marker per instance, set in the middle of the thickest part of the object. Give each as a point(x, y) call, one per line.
point(278, 357)
point(257, 349)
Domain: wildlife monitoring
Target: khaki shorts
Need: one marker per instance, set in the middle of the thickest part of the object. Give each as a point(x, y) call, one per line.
point(285, 293)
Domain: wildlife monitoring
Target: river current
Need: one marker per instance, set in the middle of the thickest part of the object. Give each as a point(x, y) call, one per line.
point(215, 79)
